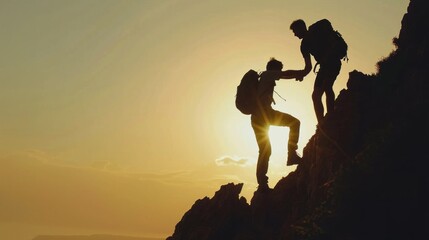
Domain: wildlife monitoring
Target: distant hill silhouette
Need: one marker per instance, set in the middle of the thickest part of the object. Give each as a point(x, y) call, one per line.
point(91, 237)
point(365, 171)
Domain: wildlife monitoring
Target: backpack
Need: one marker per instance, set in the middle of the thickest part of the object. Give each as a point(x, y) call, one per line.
point(326, 42)
point(246, 99)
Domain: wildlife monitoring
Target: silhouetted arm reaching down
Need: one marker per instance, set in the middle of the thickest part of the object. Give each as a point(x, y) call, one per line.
point(298, 74)
point(307, 68)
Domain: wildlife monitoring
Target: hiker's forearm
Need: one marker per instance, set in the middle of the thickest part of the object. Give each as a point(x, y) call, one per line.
point(289, 74)
point(308, 66)
point(307, 62)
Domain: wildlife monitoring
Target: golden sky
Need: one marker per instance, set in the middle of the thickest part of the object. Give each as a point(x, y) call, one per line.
point(117, 115)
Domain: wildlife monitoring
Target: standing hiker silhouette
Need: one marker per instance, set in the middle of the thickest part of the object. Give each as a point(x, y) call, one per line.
point(328, 48)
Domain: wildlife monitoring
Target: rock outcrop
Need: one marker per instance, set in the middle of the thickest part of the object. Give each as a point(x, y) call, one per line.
point(223, 217)
point(364, 172)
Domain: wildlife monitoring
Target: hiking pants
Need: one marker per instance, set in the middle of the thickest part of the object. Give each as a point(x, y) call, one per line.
point(327, 75)
point(261, 123)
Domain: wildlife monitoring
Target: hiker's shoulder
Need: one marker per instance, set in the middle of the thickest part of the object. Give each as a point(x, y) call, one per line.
point(271, 75)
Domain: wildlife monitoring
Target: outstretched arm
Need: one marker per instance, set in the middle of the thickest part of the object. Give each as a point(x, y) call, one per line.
point(299, 74)
point(307, 60)
point(307, 68)
point(290, 74)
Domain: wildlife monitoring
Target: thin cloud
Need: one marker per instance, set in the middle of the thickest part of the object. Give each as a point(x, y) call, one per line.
point(228, 161)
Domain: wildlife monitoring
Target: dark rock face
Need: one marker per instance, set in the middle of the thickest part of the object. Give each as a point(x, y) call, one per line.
point(364, 172)
point(225, 216)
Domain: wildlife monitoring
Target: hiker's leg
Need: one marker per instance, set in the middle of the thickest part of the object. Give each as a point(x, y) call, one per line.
point(262, 138)
point(330, 100)
point(284, 119)
point(317, 103)
point(330, 74)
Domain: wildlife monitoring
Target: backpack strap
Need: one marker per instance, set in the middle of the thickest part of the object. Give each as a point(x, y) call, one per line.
point(279, 96)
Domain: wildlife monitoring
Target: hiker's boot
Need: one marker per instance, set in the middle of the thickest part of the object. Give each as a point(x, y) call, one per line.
point(293, 158)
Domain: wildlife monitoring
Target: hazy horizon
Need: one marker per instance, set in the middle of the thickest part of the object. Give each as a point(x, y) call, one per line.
point(91, 237)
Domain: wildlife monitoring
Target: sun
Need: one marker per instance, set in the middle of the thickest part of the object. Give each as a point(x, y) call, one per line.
point(279, 141)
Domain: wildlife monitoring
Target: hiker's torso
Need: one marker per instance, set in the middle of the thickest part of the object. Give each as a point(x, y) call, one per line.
point(312, 46)
point(266, 86)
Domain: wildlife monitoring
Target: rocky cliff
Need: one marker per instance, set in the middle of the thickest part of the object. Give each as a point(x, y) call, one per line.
point(364, 172)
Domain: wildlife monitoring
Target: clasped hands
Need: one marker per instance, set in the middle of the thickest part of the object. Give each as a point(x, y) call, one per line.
point(299, 77)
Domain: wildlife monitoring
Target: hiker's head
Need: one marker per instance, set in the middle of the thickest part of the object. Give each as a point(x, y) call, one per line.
point(299, 28)
point(274, 65)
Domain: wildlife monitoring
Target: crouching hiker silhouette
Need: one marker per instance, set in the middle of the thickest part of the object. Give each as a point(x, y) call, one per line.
point(265, 116)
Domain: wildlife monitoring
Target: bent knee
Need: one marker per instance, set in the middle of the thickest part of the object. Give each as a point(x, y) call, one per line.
point(295, 123)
